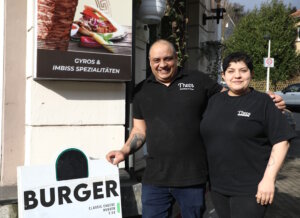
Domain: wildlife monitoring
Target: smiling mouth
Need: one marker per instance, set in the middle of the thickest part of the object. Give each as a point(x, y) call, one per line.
point(164, 71)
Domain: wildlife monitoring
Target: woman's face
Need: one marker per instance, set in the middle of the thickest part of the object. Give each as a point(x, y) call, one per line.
point(237, 77)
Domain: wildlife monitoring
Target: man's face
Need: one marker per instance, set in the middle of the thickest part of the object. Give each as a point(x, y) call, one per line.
point(163, 62)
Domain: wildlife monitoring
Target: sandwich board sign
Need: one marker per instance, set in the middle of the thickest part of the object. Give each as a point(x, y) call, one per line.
point(74, 187)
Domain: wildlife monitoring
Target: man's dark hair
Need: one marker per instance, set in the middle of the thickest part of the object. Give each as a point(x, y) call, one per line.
point(236, 57)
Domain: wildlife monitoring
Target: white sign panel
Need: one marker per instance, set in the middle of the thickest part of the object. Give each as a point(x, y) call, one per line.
point(268, 62)
point(40, 195)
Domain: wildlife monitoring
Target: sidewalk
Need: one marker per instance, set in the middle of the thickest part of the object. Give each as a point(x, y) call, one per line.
point(287, 196)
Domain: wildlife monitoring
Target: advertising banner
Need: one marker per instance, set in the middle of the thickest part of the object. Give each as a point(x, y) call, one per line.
point(83, 40)
point(42, 194)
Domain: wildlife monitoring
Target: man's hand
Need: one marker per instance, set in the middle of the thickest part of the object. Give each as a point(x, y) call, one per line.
point(115, 157)
point(135, 141)
point(279, 102)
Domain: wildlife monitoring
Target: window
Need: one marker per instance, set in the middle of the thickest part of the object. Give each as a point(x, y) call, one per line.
point(293, 88)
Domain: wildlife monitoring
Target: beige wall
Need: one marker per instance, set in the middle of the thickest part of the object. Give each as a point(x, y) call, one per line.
point(51, 103)
point(63, 114)
point(298, 46)
point(13, 129)
point(297, 43)
point(1, 73)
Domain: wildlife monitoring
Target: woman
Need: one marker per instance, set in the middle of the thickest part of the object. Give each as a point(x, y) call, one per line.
point(246, 138)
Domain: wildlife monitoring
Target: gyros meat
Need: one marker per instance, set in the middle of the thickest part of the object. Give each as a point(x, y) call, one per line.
point(54, 22)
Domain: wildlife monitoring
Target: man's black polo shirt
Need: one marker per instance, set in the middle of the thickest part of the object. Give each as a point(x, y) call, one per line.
point(172, 115)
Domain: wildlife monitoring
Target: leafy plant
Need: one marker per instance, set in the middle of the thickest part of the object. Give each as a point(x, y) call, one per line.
point(212, 52)
point(173, 27)
point(274, 19)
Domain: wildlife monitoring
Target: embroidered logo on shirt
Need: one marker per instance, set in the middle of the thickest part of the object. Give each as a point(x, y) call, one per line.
point(243, 114)
point(186, 86)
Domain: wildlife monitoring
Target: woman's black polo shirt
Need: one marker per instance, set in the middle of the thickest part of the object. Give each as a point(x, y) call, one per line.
point(239, 140)
point(172, 115)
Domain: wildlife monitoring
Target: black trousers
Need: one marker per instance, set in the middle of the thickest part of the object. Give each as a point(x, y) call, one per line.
point(244, 206)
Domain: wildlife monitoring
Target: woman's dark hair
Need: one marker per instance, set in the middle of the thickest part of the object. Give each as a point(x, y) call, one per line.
point(236, 57)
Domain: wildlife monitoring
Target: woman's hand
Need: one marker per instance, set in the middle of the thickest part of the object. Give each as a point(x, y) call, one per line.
point(266, 187)
point(265, 191)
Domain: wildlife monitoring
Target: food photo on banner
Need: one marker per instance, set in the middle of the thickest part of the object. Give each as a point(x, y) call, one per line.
point(84, 40)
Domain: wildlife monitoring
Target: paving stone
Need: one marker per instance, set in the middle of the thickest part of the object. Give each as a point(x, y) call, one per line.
point(9, 211)
point(287, 198)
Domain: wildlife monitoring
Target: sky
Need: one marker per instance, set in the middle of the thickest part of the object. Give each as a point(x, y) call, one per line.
point(250, 4)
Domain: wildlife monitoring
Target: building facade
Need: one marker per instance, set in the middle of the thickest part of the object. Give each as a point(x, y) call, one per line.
point(296, 15)
point(40, 118)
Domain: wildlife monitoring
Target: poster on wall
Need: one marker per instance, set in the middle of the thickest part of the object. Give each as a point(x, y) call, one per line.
point(83, 40)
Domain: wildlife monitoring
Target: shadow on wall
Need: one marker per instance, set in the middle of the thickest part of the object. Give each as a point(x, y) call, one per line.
point(75, 90)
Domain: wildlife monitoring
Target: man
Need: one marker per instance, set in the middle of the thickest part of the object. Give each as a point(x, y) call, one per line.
point(167, 111)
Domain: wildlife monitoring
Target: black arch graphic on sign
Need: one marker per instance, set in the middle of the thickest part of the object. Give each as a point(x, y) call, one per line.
point(71, 164)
